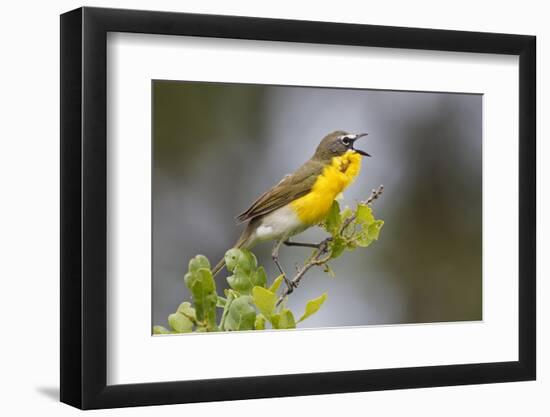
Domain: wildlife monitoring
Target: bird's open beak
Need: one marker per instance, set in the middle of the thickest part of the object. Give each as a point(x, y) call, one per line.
point(359, 151)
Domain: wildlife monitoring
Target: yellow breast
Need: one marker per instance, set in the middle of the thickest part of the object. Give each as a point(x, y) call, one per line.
point(313, 207)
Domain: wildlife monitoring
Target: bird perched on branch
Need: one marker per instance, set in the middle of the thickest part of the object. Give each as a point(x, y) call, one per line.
point(301, 199)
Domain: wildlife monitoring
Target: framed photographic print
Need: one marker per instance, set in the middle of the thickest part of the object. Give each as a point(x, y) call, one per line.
point(258, 207)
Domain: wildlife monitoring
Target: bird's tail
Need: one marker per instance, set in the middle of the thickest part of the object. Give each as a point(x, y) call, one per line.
point(242, 243)
point(218, 267)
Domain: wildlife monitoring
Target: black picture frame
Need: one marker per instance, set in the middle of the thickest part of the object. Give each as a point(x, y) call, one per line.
point(84, 207)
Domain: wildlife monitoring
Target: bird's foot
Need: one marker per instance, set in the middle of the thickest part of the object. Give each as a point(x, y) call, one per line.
point(289, 284)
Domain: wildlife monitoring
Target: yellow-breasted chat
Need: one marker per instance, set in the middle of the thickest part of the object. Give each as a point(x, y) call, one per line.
point(301, 199)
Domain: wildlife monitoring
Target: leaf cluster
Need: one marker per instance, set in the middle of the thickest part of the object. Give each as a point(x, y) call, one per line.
point(351, 229)
point(251, 302)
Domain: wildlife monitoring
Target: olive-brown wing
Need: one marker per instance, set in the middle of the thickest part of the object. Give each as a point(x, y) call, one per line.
point(290, 188)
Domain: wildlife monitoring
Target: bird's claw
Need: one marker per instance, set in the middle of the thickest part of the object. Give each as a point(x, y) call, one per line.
point(290, 284)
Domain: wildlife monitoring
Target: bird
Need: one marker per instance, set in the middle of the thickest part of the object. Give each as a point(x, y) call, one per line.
point(302, 199)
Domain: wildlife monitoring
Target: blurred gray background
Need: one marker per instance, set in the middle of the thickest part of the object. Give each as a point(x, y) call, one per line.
point(219, 146)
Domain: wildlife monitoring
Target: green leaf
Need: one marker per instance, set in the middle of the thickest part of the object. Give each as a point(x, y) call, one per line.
point(333, 220)
point(231, 258)
point(277, 283)
point(364, 214)
point(369, 234)
point(313, 306)
point(374, 229)
point(337, 246)
point(259, 277)
point(179, 323)
point(244, 279)
point(265, 300)
point(240, 281)
point(198, 262)
point(194, 275)
point(370, 227)
point(260, 322)
point(283, 320)
point(241, 314)
point(203, 291)
point(362, 239)
point(243, 258)
point(188, 311)
point(228, 301)
point(160, 330)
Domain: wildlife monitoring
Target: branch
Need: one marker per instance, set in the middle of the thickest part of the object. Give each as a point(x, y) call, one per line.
point(321, 255)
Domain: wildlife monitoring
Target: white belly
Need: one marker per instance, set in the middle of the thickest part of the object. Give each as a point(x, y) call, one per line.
point(279, 224)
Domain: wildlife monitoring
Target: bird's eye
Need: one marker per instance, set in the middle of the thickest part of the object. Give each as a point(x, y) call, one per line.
point(345, 141)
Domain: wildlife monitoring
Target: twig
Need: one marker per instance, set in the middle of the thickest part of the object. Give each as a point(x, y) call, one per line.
point(321, 255)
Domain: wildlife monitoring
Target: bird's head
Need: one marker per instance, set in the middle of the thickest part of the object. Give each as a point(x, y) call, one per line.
point(338, 143)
